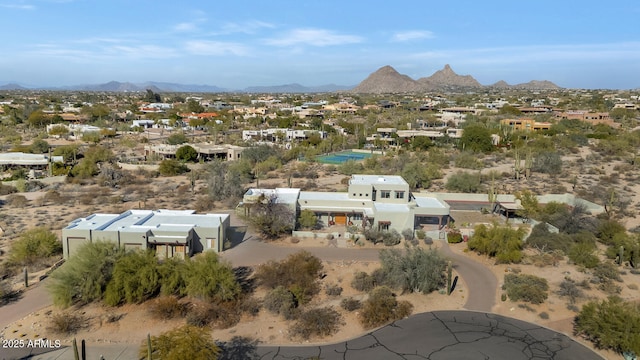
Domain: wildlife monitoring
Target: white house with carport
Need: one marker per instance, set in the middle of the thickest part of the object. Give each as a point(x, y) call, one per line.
point(170, 233)
point(381, 202)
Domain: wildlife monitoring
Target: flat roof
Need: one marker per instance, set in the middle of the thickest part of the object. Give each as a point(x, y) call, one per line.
point(377, 179)
point(388, 207)
point(430, 202)
point(335, 196)
point(144, 220)
point(283, 195)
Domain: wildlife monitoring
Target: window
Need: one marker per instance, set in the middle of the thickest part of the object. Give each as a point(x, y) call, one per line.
point(385, 194)
point(356, 216)
point(399, 194)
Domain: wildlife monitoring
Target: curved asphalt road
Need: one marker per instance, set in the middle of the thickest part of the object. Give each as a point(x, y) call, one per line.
point(436, 335)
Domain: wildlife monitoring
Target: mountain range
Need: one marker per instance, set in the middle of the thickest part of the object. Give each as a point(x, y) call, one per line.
point(388, 80)
point(384, 80)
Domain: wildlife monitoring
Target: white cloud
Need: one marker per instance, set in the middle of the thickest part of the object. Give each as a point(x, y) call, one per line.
point(614, 52)
point(215, 48)
point(143, 51)
point(18, 6)
point(313, 37)
point(412, 35)
point(185, 26)
point(248, 27)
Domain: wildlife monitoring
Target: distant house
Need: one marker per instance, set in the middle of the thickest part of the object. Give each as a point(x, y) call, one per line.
point(525, 124)
point(205, 151)
point(32, 161)
point(170, 233)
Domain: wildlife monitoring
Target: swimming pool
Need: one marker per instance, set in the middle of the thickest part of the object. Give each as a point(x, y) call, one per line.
point(342, 157)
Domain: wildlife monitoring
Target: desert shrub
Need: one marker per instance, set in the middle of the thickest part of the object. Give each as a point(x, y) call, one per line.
point(413, 270)
point(583, 254)
point(208, 278)
point(454, 237)
point(167, 307)
point(316, 322)
point(17, 201)
point(363, 281)
point(607, 271)
point(135, 278)
point(177, 139)
point(67, 323)
point(298, 273)
point(611, 324)
point(84, 277)
point(172, 273)
point(391, 237)
point(280, 301)
point(200, 314)
point(524, 287)
point(333, 290)
point(186, 153)
point(7, 189)
point(6, 292)
point(33, 245)
point(350, 304)
point(544, 240)
point(172, 167)
point(501, 242)
point(407, 234)
point(421, 235)
point(569, 289)
point(548, 162)
point(544, 315)
point(387, 237)
point(463, 182)
point(382, 307)
point(186, 342)
point(468, 160)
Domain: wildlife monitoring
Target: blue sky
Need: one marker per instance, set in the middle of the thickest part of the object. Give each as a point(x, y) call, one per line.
point(237, 43)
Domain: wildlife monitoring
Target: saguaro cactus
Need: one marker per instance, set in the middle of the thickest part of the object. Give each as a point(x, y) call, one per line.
point(517, 168)
point(528, 163)
point(621, 255)
point(449, 277)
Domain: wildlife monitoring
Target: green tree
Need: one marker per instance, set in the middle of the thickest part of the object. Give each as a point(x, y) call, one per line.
point(611, 324)
point(477, 138)
point(529, 202)
point(68, 152)
point(39, 146)
point(463, 181)
point(307, 219)
point(38, 118)
point(59, 130)
point(270, 218)
point(152, 97)
point(84, 277)
point(186, 342)
point(135, 278)
point(298, 273)
point(502, 242)
point(194, 106)
point(171, 167)
point(414, 269)
point(525, 287)
point(186, 153)
point(208, 278)
point(420, 143)
point(93, 137)
point(33, 245)
point(382, 307)
point(177, 138)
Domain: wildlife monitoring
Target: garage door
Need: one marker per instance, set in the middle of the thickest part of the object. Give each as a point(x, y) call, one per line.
point(340, 219)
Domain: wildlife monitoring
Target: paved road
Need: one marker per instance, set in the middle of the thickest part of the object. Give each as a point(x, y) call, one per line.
point(34, 299)
point(438, 335)
point(481, 282)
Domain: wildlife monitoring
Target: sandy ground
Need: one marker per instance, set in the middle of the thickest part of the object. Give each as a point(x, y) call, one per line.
point(84, 200)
